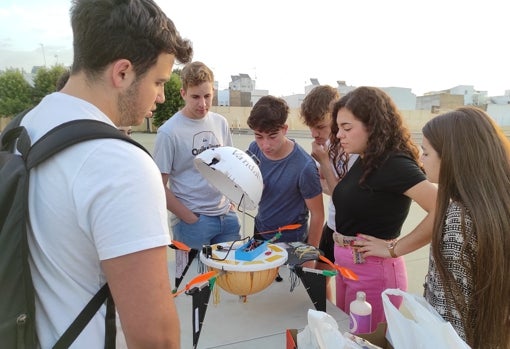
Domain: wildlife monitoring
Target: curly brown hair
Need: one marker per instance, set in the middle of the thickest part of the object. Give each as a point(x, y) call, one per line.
point(387, 133)
point(316, 106)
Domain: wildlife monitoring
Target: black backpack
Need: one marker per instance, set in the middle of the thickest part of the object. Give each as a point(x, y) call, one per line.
point(17, 300)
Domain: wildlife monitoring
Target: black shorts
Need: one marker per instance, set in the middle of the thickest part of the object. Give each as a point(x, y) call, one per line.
point(327, 245)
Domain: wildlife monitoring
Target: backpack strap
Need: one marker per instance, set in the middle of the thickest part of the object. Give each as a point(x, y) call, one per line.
point(70, 133)
point(17, 120)
point(13, 131)
point(110, 323)
point(51, 143)
point(74, 330)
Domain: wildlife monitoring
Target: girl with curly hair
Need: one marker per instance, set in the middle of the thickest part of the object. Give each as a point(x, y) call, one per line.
point(373, 198)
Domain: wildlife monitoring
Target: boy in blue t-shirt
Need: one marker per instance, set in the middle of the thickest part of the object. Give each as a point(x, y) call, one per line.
point(292, 191)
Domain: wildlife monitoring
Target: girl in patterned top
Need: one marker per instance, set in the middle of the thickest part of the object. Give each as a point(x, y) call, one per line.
point(468, 280)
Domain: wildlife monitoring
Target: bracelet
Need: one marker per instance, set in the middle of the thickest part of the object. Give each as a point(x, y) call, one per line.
point(391, 248)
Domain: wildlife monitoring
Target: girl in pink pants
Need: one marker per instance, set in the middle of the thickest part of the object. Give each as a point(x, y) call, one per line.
point(375, 275)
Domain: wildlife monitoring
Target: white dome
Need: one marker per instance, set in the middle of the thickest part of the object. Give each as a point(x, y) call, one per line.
point(234, 173)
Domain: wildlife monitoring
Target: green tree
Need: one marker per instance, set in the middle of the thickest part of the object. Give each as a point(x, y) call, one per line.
point(15, 93)
point(173, 100)
point(45, 81)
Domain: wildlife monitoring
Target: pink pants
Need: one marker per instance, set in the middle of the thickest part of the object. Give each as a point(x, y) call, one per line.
point(375, 275)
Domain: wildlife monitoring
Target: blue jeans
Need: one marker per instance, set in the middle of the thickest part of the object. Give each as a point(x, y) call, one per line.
point(208, 230)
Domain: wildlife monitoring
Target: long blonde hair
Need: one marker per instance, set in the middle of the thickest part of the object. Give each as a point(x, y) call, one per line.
point(475, 171)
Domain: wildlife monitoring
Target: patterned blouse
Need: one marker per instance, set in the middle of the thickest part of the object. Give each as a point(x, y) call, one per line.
point(460, 262)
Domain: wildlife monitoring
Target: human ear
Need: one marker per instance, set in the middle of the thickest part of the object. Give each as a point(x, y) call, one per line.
point(122, 73)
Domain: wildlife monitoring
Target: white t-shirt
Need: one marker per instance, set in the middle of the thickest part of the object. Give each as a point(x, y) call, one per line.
point(93, 201)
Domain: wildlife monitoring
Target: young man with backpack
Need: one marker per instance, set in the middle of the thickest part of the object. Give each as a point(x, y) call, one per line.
point(97, 209)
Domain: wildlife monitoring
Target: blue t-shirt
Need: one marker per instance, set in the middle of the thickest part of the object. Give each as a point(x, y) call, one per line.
point(287, 183)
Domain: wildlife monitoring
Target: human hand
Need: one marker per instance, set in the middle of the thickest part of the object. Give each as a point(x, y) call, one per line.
point(372, 246)
point(319, 153)
point(191, 219)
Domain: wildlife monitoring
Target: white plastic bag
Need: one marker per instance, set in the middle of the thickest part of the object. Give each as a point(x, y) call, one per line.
point(322, 333)
point(426, 330)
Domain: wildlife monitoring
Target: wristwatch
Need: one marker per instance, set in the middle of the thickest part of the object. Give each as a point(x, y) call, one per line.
point(391, 248)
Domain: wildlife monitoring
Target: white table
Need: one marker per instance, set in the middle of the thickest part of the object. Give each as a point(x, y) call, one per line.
point(260, 322)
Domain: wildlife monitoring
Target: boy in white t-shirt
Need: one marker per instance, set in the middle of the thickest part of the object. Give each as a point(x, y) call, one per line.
point(201, 214)
point(90, 223)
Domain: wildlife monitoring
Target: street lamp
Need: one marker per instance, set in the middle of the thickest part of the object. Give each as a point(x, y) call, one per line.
point(44, 55)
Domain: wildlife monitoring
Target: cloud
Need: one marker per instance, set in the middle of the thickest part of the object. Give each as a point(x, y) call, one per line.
point(26, 24)
point(429, 46)
point(25, 60)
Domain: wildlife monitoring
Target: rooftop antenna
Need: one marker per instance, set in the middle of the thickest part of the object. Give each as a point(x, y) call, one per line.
point(44, 55)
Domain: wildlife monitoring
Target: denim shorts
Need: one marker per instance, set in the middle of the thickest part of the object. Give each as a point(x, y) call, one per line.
point(208, 230)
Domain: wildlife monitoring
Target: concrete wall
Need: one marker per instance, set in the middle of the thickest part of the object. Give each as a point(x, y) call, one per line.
point(414, 119)
point(237, 116)
point(500, 113)
point(440, 101)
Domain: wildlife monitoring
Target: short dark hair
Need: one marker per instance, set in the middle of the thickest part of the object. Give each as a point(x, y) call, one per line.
point(137, 30)
point(269, 114)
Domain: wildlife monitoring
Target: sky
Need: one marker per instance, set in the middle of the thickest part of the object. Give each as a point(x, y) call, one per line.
point(422, 45)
